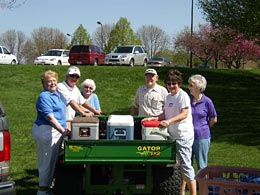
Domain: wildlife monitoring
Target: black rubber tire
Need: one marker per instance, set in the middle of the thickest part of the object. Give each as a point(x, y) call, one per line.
point(95, 62)
point(59, 63)
point(145, 62)
point(166, 180)
point(69, 180)
point(132, 63)
point(13, 62)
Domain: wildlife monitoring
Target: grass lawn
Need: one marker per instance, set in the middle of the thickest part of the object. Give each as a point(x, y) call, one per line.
point(235, 138)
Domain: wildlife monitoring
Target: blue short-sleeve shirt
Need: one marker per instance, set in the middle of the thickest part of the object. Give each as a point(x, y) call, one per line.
point(50, 103)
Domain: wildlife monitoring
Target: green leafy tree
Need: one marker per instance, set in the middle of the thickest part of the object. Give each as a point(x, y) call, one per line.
point(80, 37)
point(122, 34)
point(240, 15)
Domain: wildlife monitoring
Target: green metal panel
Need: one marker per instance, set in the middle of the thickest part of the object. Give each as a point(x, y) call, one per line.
point(121, 151)
point(120, 177)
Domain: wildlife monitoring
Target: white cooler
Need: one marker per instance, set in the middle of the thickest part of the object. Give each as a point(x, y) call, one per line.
point(120, 127)
point(85, 128)
point(154, 133)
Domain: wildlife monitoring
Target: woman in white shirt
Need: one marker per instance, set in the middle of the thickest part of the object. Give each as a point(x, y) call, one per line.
point(178, 119)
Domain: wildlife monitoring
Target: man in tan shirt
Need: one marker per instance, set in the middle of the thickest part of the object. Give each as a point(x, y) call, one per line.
point(150, 98)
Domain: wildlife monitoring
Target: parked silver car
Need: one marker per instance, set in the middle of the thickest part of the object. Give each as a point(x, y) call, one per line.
point(128, 55)
point(159, 61)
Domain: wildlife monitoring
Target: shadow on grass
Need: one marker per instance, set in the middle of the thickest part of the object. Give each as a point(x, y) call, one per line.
point(27, 185)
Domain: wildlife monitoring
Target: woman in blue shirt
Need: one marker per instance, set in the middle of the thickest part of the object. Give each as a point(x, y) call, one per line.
point(88, 87)
point(48, 130)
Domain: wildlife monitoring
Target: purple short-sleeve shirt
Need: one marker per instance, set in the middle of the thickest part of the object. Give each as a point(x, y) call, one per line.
point(202, 112)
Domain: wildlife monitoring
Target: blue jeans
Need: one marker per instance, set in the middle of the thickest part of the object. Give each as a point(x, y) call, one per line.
point(184, 152)
point(200, 150)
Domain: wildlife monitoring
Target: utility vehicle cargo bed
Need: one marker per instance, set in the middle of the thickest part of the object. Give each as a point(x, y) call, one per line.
point(121, 151)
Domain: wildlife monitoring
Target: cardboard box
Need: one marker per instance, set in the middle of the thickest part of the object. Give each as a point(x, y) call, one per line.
point(85, 128)
point(120, 127)
point(154, 133)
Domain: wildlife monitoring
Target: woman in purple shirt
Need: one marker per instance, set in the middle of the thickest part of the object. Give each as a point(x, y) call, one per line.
point(204, 117)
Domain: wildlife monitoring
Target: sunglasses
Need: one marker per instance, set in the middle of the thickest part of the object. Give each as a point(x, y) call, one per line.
point(87, 87)
point(74, 76)
point(171, 83)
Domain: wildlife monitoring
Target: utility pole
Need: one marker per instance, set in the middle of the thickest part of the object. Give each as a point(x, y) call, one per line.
point(102, 34)
point(191, 32)
point(69, 35)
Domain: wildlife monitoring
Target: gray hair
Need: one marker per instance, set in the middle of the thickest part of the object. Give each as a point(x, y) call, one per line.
point(199, 81)
point(88, 82)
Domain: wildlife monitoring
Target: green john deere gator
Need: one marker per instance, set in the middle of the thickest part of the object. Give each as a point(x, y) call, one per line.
point(100, 166)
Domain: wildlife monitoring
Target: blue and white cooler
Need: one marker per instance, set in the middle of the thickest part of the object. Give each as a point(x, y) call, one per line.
point(120, 127)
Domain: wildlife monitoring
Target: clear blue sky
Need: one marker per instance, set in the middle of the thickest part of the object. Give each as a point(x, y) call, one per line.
point(170, 15)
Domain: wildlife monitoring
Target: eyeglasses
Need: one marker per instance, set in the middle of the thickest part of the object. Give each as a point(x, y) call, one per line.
point(170, 83)
point(74, 76)
point(191, 85)
point(87, 87)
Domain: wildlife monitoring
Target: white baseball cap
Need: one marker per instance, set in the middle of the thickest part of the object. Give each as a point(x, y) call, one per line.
point(150, 71)
point(74, 70)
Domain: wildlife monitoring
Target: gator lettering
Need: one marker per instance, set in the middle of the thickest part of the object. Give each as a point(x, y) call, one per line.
point(148, 148)
point(75, 148)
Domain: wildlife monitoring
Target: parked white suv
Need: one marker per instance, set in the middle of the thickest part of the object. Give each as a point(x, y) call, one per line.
point(128, 55)
point(53, 57)
point(6, 57)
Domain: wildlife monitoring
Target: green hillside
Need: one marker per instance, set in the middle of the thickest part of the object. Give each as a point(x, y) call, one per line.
point(235, 138)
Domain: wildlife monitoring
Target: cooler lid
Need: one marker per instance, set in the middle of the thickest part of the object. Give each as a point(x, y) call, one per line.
point(85, 120)
point(151, 123)
point(120, 120)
